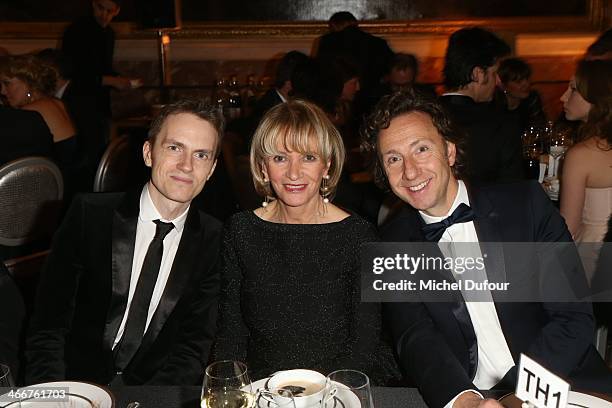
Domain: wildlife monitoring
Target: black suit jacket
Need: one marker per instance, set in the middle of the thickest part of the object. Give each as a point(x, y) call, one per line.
point(90, 49)
point(23, 133)
point(436, 342)
point(493, 139)
point(83, 293)
point(371, 54)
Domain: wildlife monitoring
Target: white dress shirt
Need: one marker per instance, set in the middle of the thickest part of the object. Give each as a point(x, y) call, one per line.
point(494, 358)
point(145, 231)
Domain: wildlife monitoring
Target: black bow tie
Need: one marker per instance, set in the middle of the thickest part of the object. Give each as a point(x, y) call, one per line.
point(433, 232)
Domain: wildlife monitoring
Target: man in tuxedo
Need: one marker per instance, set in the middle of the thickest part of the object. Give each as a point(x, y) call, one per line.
point(453, 349)
point(129, 292)
point(24, 133)
point(493, 139)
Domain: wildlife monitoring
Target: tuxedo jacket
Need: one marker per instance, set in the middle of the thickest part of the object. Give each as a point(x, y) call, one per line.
point(492, 139)
point(436, 343)
point(83, 293)
point(23, 133)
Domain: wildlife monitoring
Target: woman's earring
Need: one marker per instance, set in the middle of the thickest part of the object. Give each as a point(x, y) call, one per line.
point(29, 96)
point(325, 188)
point(267, 199)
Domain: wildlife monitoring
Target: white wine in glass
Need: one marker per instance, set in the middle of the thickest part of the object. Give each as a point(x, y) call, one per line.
point(227, 399)
point(226, 385)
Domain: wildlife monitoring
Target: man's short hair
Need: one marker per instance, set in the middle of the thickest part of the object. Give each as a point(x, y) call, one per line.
point(340, 20)
point(401, 103)
point(467, 49)
point(199, 108)
point(287, 65)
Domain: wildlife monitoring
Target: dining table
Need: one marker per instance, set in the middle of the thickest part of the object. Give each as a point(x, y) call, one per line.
point(189, 396)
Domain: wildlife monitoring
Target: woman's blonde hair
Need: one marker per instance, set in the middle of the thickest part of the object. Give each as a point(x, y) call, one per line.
point(36, 73)
point(298, 126)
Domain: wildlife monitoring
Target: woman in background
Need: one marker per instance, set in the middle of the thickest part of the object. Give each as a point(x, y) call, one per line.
point(291, 280)
point(29, 83)
point(518, 97)
point(586, 189)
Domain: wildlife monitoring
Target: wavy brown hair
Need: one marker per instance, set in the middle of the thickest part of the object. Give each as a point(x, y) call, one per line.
point(594, 83)
point(401, 103)
point(36, 73)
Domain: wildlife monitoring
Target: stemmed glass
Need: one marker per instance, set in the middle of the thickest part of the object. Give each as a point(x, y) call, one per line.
point(559, 143)
point(226, 385)
point(347, 385)
point(6, 379)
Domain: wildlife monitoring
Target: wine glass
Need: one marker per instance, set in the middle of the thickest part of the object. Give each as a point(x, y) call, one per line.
point(226, 385)
point(532, 150)
point(6, 379)
point(559, 143)
point(348, 386)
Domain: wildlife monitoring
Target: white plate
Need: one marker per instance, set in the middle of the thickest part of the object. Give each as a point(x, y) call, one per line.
point(80, 395)
point(578, 399)
point(343, 398)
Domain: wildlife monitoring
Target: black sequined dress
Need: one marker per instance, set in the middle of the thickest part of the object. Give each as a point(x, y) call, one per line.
point(291, 299)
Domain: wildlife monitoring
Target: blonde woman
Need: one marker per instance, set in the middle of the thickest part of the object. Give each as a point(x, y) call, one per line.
point(291, 280)
point(28, 83)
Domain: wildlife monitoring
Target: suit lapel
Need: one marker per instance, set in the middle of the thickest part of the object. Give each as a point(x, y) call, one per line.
point(489, 236)
point(124, 222)
point(182, 270)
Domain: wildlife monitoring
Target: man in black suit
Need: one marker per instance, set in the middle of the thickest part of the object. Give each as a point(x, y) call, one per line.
point(129, 293)
point(370, 53)
point(493, 139)
point(24, 133)
point(449, 349)
point(89, 45)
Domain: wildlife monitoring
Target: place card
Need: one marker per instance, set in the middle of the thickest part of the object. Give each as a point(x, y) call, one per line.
point(538, 387)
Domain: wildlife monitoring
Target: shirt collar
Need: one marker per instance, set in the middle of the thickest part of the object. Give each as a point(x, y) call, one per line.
point(148, 212)
point(280, 95)
point(60, 92)
point(461, 197)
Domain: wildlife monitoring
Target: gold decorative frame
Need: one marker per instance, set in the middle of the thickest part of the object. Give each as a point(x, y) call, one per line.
point(596, 18)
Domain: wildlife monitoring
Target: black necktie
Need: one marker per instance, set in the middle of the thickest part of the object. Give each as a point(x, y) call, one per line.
point(433, 232)
point(139, 308)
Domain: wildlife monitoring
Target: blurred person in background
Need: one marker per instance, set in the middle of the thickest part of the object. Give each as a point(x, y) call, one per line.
point(28, 83)
point(89, 44)
point(493, 138)
point(516, 95)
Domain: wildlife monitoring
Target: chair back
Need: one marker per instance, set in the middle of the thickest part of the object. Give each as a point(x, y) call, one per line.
point(31, 191)
point(121, 167)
